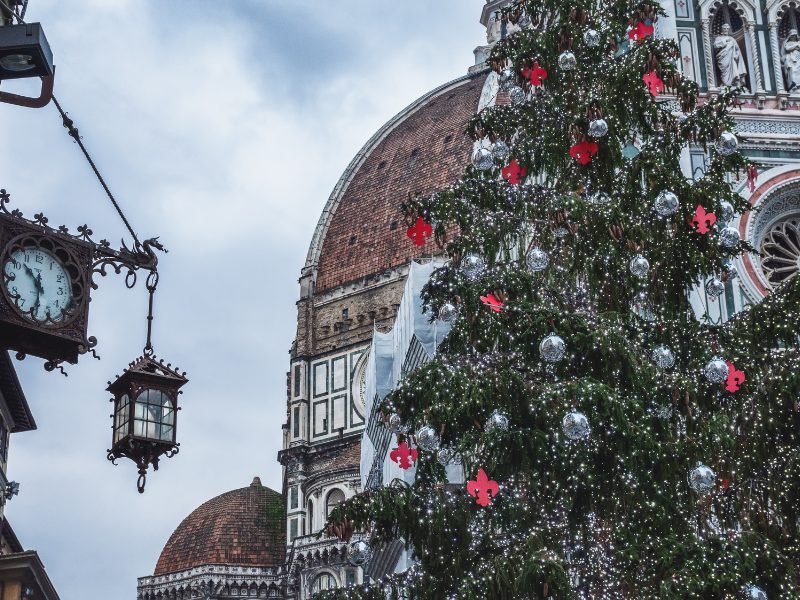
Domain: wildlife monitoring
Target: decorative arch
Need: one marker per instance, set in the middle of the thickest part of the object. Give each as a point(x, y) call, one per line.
point(323, 580)
point(711, 14)
point(777, 13)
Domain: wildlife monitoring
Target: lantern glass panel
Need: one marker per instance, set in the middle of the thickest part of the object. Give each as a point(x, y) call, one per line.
point(154, 416)
point(121, 418)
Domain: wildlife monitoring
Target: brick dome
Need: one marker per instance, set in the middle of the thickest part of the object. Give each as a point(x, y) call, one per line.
point(244, 527)
point(423, 149)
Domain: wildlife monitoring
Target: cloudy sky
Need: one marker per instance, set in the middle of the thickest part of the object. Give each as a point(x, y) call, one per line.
point(222, 126)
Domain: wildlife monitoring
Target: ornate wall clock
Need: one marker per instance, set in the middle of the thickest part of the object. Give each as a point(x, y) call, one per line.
point(44, 290)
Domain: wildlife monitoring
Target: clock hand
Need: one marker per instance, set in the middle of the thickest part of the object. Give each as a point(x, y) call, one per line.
point(39, 292)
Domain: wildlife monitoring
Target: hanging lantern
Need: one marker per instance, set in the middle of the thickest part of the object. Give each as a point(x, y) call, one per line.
point(145, 413)
point(146, 407)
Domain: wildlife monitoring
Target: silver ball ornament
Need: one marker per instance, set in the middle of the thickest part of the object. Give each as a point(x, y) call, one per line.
point(473, 266)
point(714, 288)
point(359, 553)
point(702, 479)
point(598, 128)
point(396, 425)
point(727, 144)
point(591, 37)
point(482, 159)
point(427, 438)
point(448, 313)
point(552, 348)
point(507, 78)
point(729, 238)
point(517, 95)
point(496, 420)
point(599, 199)
point(537, 260)
point(445, 456)
point(666, 204)
point(726, 212)
point(716, 371)
point(500, 151)
point(663, 357)
point(567, 61)
point(639, 266)
point(576, 426)
point(753, 592)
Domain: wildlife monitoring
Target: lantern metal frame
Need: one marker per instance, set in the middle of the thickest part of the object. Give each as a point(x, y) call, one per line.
point(144, 374)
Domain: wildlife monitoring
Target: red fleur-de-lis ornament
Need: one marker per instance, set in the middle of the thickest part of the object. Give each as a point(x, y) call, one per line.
point(420, 231)
point(702, 220)
point(514, 173)
point(583, 151)
point(483, 489)
point(653, 82)
point(536, 74)
point(640, 32)
point(735, 378)
point(493, 302)
point(404, 456)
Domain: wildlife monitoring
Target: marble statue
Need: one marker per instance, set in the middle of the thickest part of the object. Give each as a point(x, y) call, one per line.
point(790, 60)
point(732, 67)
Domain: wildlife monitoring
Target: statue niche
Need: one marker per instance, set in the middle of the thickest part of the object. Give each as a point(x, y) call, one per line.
point(730, 50)
point(789, 44)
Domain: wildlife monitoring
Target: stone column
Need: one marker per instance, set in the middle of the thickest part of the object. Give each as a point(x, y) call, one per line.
point(751, 35)
point(780, 88)
point(709, 52)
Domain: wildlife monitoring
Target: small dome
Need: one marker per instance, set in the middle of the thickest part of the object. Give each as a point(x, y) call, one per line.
point(244, 527)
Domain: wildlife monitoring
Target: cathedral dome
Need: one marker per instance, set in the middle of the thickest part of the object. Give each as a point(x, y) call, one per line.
point(243, 527)
point(424, 148)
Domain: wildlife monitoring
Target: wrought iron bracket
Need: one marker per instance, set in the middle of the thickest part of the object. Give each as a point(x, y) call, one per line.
point(41, 101)
point(105, 259)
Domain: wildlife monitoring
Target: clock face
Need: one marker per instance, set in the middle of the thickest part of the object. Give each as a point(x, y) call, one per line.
point(38, 285)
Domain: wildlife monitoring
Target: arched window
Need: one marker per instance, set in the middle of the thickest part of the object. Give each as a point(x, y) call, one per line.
point(323, 582)
point(335, 498)
point(154, 416)
point(310, 519)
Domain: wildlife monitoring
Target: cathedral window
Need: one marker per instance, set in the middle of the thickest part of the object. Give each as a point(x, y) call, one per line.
point(310, 517)
point(296, 422)
point(323, 582)
point(292, 530)
point(294, 499)
point(154, 416)
point(780, 251)
point(297, 374)
point(335, 498)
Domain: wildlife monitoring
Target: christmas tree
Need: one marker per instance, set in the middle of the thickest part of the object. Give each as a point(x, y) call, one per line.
point(615, 444)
